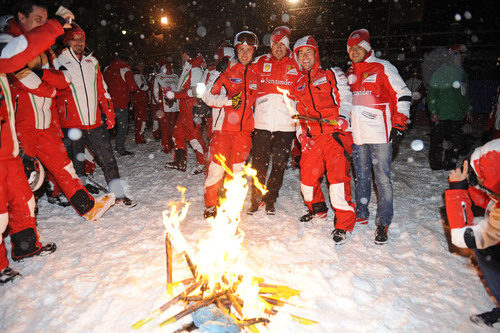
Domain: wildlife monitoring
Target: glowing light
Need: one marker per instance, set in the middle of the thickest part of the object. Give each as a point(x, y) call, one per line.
point(164, 20)
point(287, 100)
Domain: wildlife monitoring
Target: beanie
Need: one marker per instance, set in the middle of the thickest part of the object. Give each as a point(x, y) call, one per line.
point(361, 38)
point(281, 34)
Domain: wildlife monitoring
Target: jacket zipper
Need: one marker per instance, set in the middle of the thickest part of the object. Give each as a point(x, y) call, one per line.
point(66, 110)
point(84, 87)
point(312, 99)
point(245, 102)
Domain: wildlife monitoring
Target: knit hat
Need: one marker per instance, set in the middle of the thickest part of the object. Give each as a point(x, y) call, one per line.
point(361, 38)
point(70, 33)
point(281, 34)
point(224, 51)
point(306, 41)
point(485, 162)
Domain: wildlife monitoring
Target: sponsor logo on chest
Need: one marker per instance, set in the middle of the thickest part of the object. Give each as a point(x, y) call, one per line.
point(369, 78)
point(235, 80)
point(267, 67)
point(253, 86)
point(319, 81)
point(291, 71)
point(301, 87)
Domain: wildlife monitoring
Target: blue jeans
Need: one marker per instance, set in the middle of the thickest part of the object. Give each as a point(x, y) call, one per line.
point(489, 262)
point(121, 117)
point(377, 157)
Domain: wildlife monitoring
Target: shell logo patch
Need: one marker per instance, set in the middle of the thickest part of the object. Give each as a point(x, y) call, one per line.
point(367, 77)
point(267, 67)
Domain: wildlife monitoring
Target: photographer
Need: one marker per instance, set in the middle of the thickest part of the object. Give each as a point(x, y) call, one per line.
point(481, 184)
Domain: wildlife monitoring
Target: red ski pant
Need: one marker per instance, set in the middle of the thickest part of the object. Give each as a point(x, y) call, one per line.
point(48, 147)
point(186, 131)
point(235, 147)
point(141, 113)
point(327, 154)
point(166, 122)
point(17, 203)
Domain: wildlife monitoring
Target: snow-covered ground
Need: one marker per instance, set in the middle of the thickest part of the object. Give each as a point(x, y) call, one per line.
point(105, 276)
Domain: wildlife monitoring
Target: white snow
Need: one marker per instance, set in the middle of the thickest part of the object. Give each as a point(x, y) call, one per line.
point(105, 276)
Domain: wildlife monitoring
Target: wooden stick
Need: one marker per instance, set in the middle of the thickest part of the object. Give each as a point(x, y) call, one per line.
point(236, 305)
point(253, 321)
point(168, 250)
point(193, 308)
point(192, 267)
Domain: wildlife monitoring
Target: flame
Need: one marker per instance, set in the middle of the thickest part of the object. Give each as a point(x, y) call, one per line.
point(288, 103)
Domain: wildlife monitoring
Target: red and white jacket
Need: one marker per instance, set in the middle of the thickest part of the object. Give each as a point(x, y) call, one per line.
point(321, 93)
point(120, 81)
point(80, 104)
point(33, 93)
point(220, 89)
point(14, 54)
point(381, 100)
point(271, 112)
point(192, 74)
point(165, 81)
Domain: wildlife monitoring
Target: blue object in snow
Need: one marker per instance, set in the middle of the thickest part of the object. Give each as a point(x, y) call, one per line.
point(211, 313)
point(211, 326)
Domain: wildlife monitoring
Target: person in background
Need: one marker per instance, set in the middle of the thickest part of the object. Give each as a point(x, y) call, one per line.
point(140, 100)
point(492, 127)
point(478, 182)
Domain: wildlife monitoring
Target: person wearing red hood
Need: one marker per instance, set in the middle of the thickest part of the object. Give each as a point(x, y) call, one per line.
point(185, 130)
point(274, 127)
point(479, 182)
point(231, 92)
point(120, 81)
point(81, 107)
point(381, 107)
point(34, 89)
point(167, 110)
point(324, 94)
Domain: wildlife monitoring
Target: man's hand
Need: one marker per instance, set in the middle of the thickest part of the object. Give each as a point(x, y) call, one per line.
point(396, 135)
point(110, 122)
point(222, 65)
point(342, 124)
point(459, 174)
point(236, 101)
point(306, 142)
point(67, 15)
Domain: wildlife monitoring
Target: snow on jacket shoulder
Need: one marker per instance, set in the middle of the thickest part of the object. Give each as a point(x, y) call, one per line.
point(79, 104)
point(120, 81)
point(381, 100)
point(271, 112)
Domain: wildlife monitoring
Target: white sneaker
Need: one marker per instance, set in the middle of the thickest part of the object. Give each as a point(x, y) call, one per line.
point(101, 205)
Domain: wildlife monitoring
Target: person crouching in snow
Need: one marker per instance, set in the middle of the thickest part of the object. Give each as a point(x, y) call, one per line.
point(232, 95)
point(324, 94)
point(479, 182)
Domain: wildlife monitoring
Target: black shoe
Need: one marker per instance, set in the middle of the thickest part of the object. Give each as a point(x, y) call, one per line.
point(491, 318)
point(310, 215)
point(92, 189)
point(339, 236)
point(126, 153)
point(270, 210)
point(381, 235)
point(44, 250)
point(253, 208)
point(125, 201)
point(8, 274)
point(210, 212)
point(60, 200)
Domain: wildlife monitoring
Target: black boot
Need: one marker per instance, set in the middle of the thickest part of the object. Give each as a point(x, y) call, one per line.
point(319, 210)
point(179, 162)
point(24, 245)
point(8, 274)
point(490, 318)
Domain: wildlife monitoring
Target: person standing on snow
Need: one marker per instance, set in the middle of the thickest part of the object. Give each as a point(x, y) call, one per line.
point(381, 107)
point(34, 88)
point(185, 130)
point(324, 94)
point(140, 99)
point(479, 182)
point(81, 107)
point(274, 128)
point(167, 110)
point(120, 81)
point(231, 95)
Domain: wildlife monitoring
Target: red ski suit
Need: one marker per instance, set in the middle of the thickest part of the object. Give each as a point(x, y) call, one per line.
point(33, 91)
point(120, 81)
point(325, 94)
point(17, 203)
point(185, 130)
point(232, 127)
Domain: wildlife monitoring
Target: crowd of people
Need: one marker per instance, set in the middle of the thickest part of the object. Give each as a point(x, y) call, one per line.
point(60, 107)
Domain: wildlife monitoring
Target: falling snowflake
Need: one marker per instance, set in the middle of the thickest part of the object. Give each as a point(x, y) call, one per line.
point(456, 84)
point(458, 17)
point(467, 15)
point(201, 31)
point(74, 134)
point(104, 22)
point(417, 145)
point(285, 17)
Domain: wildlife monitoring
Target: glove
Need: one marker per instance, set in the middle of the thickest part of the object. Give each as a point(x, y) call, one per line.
point(306, 142)
point(236, 101)
point(67, 15)
point(222, 65)
point(342, 123)
point(110, 122)
point(327, 64)
point(38, 72)
point(396, 135)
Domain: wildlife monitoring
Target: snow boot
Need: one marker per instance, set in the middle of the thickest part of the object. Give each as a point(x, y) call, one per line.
point(339, 236)
point(210, 211)
point(254, 207)
point(101, 205)
point(92, 189)
point(198, 169)
point(270, 210)
point(179, 162)
point(24, 245)
point(319, 210)
point(8, 274)
point(60, 200)
point(490, 318)
point(381, 235)
point(126, 201)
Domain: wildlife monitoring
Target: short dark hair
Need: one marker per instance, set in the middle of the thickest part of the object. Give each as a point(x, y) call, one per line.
point(189, 50)
point(25, 7)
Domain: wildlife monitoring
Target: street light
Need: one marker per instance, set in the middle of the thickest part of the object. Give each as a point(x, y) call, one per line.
point(293, 1)
point(163, 20)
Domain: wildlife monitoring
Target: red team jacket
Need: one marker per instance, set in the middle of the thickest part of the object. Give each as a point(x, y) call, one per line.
point(120, 81)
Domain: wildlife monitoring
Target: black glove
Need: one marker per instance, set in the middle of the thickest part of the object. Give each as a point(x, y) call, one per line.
point(62, 68)
point(396, 135)
point(327, 64)
point(38, 72)
point(222, 65)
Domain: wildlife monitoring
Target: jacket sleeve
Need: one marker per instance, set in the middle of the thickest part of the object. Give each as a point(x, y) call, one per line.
point(56, 78)
point(130, 82)
point(30, 82)
point(104, 97)
point(196, 77)
point(16, 52)
point(157, 91)
point(401, 96)
point(342, 93)
point(215, 94)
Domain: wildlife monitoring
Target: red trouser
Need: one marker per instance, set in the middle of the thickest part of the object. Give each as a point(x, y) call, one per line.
point(186, 131)
point(48, 147)
point(141, 113)
point(235, 147)
point(166, 122)
point(326, 153)
point(17, 203)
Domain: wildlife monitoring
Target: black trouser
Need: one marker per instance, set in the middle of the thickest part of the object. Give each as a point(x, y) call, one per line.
point(450, 130)
point(267, 145)
point(98, 142)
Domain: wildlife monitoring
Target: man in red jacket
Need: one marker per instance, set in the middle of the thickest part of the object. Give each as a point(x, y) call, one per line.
point(232, 95)
point(120, 81)
point(324, 94)
point(17, 203)
point(33, 90)
point(81, 107)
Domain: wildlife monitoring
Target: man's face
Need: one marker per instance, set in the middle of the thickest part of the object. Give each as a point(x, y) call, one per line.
point(77, 43)
point(245, 54)
point(36, 18)
point(307, 57)
point(278, 50)
point(184, 57)
point(357, 53)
